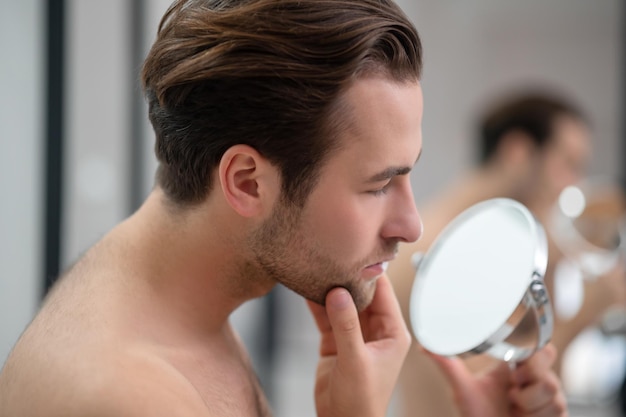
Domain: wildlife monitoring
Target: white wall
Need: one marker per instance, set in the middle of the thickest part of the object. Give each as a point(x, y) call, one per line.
point(98, 102)
point(21, 162)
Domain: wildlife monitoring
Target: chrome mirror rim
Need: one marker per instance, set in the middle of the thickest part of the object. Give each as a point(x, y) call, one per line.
point(534, 298)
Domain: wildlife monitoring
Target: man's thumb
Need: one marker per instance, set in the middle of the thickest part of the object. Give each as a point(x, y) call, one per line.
point(457, 374)
point(344, 320)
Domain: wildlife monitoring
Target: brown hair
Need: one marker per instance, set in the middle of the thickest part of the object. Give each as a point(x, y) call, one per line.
point(267, 73)
point(532, 112)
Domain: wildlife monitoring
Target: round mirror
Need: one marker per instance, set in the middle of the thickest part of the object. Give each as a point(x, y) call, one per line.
point(479, 288)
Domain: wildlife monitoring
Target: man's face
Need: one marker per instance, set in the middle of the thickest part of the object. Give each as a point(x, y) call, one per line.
point(362, 205)
point(564, 160)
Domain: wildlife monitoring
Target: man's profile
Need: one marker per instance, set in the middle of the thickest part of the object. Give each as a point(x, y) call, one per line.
point(285, 133)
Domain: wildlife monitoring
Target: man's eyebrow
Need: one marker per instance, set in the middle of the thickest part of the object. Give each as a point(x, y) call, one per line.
point(389, 173)
point(392, 172)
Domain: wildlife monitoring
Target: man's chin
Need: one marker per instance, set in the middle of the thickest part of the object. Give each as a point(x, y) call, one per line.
point(363, 295)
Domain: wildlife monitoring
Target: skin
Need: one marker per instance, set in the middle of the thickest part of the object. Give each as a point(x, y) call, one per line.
point(534, 177)
point(365, 189)
point(139, 326)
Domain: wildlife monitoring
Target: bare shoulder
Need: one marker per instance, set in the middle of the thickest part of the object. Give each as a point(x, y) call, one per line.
point(76, 360)
point(100, 346)
point(131, 383)
point(138, 384)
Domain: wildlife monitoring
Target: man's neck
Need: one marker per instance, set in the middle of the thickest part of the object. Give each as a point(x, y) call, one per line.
point(187, 266)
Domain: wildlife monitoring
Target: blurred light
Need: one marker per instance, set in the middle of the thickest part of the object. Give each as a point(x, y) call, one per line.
point(572, 201)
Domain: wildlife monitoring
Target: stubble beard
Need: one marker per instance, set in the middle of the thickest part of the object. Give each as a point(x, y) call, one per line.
point(285, 253)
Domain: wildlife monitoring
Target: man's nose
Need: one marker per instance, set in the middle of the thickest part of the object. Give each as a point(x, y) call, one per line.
point(405, 224)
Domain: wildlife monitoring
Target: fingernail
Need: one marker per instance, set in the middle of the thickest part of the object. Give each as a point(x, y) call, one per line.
point(339, 298)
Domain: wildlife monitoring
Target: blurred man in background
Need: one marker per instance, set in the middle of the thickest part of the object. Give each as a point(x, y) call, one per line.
point(533, 145)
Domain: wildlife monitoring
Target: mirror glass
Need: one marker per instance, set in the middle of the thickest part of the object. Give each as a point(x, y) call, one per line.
point(478, 287)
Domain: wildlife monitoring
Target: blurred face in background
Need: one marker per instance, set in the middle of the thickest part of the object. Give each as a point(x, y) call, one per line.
point(564, 159)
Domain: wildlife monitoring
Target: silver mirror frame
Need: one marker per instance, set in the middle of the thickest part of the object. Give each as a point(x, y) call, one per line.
point(535, 297)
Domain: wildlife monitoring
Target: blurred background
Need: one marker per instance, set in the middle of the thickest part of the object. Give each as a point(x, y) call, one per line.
point(76, 147)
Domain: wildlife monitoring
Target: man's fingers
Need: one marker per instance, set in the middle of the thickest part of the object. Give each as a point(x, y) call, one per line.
point(319, 315)
point(385, 315)
point(557, 407)
point(457, 374)
point(343, 329)
point(327, 339)
point(537, 396)
point(537, 390)
point(344, 320)
point(534, 367)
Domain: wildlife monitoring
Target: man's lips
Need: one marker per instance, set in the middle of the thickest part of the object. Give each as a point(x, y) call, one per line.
point(382, 264)
point(374, 270)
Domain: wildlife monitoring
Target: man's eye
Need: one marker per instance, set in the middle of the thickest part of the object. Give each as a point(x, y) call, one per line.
point(381, 191)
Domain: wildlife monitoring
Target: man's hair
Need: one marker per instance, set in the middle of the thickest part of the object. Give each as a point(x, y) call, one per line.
point(533, 113)
point(266, 73)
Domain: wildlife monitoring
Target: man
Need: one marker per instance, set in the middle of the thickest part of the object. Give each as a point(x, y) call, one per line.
point(285, 131)
point(533, 145)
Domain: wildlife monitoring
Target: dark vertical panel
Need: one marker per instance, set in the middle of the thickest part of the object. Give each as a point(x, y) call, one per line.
point(54, 139)
point(136, 158)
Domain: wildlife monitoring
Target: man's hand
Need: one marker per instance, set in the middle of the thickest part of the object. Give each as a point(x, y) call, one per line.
point(530, 390)
point(361, 354)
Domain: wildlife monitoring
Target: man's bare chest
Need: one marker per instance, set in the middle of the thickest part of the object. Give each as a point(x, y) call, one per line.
point(227, 383)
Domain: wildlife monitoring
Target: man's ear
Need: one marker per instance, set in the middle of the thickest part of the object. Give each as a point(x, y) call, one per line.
point(249, 182)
